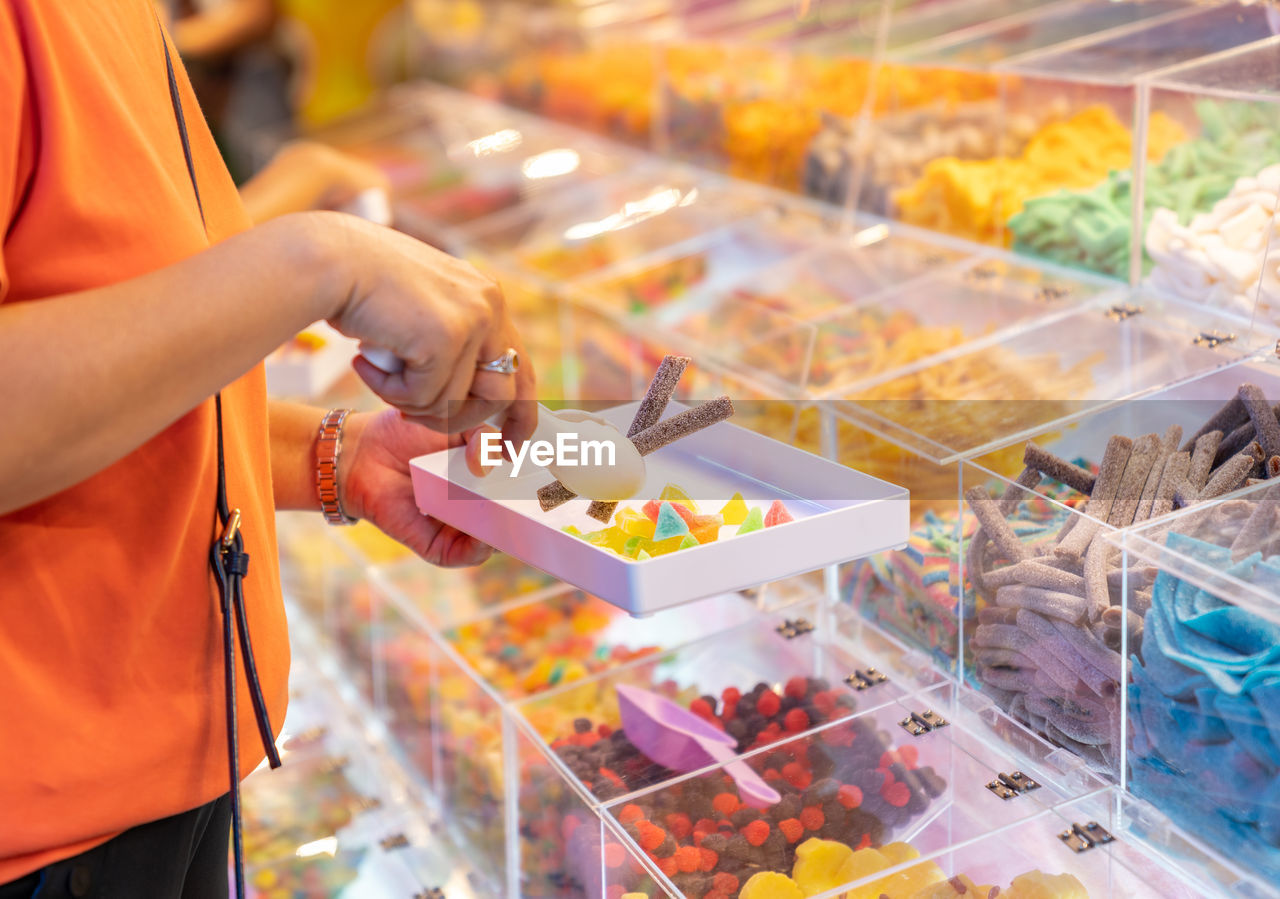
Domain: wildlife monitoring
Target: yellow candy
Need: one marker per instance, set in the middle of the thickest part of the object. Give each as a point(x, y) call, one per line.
point(770, 885)
point(613, 538)
point(947, 889)
point(820, 865)
point(675, 494)
point(897, 853)
point(670, 545)
point(572, 530)
point(913, 880)
point(1039, 885)
point(634, 523)
point(735, 510)
point(635, 896)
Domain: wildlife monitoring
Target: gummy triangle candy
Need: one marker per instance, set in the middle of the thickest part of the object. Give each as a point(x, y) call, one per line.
point(753, 522)
point(676, 494)
point(669, 524)
point(706, 528)
point(735, 510)
point(572, 530)
point(642, 555)
point(634, 523)
point(688, 542)
point(653, 506)
point(777, 514)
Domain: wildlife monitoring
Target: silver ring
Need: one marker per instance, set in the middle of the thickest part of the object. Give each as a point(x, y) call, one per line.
point(507, 364)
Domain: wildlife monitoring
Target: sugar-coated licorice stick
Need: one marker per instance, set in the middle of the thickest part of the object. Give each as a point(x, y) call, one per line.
point(1168, 447)
point(1003, 636)
point(1036, 573)
point(1052, 643)
point(1026, 483)
point(1259, 526)
point(1173, 477)
point(996, 657)
point(1095, 577)
point(1202, 459)
point(1058, 469)
point(1139, 575)
point(1092, 651)
point(1231, 474)
point(1136, 472)
point(664, 383)
point(1263, 418)
point(1046, 602)
point(997, 615)
point(1081, 535)
point(1226, 420)
point(1059, 681)
point(1110, 472)
point(1234, 442)
point(996, 526)
point(975, 560)
point(654, 438)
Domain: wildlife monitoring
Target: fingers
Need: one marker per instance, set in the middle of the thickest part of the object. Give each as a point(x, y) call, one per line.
point(474, 450)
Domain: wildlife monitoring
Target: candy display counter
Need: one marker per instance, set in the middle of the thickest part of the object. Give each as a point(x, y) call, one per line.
point(1201, 707)
point(1078, 208)
point(1210, 234)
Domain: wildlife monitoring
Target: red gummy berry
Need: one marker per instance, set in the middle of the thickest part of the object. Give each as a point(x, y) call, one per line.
point(897, 794)
point(705, 825)
point(796, 720)
point(772, 774)
point(725, 882)
point(726, 804)
point(688, 859)
point(796, 775)
point(710, 858)
point(792, 829)
point(611, 776)
point(679, 825)
point(825, 702)
point(812, 817)
point(731, 694)
point(768, 704)
point(667, 865)
point(630, 812)
point(651, 836)
point(756, 832)
point(909, 756)
point(702, 709)
point(849, 795)
point(796, 687)
point(604, 730)
point(614, 855)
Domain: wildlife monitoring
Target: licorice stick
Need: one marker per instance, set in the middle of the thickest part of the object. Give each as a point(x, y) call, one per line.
point(1095, 577)
point(1202, 459)
point(1231, 474)
point(1058, 469)
point(1136, 472)
point(661, 388)
point(1051, 603)
point(652, 439)
point(1226, 420)
point(1234, 442)
point(996, 526)
point(1258, 527)
point(1168, 447)
point(1028, 481)
point(1263, 417)
point(1035, 573)
point(1173, 476)
point(1110, 473)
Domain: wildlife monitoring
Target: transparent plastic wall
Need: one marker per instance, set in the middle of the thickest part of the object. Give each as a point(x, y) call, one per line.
point(1201, 725)
point(939, 102)
point(1209, 230)
point(1069, 196)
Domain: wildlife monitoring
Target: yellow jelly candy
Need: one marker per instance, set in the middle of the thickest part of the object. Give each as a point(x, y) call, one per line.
point(632, 895)
point(613, 538)
point(957, 886)
point(770, 885)
point(571, 529)
point(897, 853)
point(819, 865)
point(642, 555)
point(635, 523)
point(674, 494)
point(1039, 885)
point(913, 880)
point(735, 510)
point(663, 547)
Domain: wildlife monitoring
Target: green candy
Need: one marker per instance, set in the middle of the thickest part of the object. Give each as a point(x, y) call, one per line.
point(753, 522)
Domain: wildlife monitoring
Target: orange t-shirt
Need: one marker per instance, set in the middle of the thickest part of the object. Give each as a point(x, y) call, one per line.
point(111, 691)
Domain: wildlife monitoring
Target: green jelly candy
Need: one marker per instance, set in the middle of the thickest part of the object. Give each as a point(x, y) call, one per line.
point(688, 542)
point(669, 524)
point(753, 522)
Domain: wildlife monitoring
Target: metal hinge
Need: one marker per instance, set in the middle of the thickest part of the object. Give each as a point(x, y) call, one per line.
point(1007, 786)
point(920, 723)
point(984, 272)
point(1082, 839)
point(865, 679)
point(792, 629)
point(432, 893)
point(1049, 293)
point(1120, 311)
point(1212, 339)
point(395, 841)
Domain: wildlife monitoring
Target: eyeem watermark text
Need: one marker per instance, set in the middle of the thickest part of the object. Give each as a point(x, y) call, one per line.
point(566, 451)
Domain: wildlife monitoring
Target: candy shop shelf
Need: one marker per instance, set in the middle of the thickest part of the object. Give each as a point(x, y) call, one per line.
point(1208, 208)
point(1201, 734)
point(839, 514)
point(447, 691)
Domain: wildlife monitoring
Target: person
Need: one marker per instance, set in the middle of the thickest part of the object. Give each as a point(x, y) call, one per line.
point(136, 306)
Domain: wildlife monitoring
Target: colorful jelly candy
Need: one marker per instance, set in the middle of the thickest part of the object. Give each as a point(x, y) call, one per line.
point(753, 522)
point(770, 885)
point(822, 865)
point(1039, 885)
point(669, 524)
point(637, 524)
point(675, 494)
point(777, 514)
point(735, 510)
point(706, 528)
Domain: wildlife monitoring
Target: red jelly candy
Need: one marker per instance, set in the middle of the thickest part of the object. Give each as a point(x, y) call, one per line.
point(667, 865)
point(725, 882)
point(768, 704)
point(797, 687)
point(702, 709)
point(614, 855)
point(777, 514)
point(812, 817)
point(679, 825)
point(651, 836)
point(756, 832)
point(688, 859)
point(726, 804)
point(710, 858)
point(796, 720)
point(796, 775)
point(792, 829)
point(896, 794)
point(825, 702)
point(849, 795)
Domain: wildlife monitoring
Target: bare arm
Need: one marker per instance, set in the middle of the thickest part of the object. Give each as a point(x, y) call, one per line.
point(224, 29)
point(91, 376)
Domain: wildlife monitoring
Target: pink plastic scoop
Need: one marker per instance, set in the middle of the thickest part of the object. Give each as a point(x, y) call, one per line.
point(678, 739)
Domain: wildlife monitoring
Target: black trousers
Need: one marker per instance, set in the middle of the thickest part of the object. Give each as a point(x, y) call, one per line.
point(182, 857)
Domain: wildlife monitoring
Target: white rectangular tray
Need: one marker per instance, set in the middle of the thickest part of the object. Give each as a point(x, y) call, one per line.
point(840, 514)
point(307, 375)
